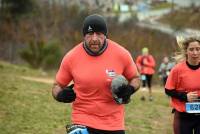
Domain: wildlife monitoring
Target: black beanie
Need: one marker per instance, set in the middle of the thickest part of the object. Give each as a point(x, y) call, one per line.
point(94, 23)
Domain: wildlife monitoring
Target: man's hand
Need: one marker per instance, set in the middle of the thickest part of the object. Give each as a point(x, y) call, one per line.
point(121, 90)
point(66, 95)
point(125, 92)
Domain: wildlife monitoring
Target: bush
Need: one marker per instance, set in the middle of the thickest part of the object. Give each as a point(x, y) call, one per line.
point(41, 55)
point(53, 57)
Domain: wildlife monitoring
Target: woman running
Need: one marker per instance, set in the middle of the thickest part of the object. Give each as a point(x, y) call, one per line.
point(183, 86)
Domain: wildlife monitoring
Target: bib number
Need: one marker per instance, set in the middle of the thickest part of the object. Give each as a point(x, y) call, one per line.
point(143, 77)
point(192, 107)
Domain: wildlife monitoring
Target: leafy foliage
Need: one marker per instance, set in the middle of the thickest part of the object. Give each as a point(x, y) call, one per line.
point(42, 55)
point(16, 8)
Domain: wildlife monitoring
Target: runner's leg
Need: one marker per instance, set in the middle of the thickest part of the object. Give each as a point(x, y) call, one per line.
point(197, 125)
point(149, 81)
point(182, 124)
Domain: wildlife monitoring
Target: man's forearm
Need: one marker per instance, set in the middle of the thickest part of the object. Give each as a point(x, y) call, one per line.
point(135, 82)
point(182, 96)
point(56, 90)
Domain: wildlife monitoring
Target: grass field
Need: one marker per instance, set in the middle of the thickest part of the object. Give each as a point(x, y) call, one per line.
point(27, 107)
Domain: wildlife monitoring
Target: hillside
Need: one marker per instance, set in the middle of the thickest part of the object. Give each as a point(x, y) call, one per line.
point(27, 107)
point(63, 30)
point(183, 18)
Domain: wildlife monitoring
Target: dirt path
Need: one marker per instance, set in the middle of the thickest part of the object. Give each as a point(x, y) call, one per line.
point(37, 79)
point(157, 89)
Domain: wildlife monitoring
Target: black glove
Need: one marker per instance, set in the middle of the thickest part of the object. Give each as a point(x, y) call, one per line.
point(124, 92)
point(67, 95)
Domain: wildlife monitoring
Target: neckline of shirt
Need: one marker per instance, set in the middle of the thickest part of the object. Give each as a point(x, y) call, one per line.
point(193, 67)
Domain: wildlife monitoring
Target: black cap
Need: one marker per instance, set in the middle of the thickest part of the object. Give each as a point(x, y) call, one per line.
point(94, 23)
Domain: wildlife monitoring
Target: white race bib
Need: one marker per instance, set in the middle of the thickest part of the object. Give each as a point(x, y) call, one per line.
point(192, 107)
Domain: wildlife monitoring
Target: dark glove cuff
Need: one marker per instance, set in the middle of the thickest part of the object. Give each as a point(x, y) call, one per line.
point(124, 94)
point(67, 95)
point(131, 89)
point(125, 90)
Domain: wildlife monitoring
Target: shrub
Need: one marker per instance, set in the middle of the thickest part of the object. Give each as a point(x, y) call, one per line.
point(41, 55)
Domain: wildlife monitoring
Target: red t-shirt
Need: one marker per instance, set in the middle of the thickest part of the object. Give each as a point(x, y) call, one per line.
point(94, 105)
point(183, 79)
point(146, 64)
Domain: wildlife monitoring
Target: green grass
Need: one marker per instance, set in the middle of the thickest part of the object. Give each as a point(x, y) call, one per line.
point(27, 107)
point(147, 117)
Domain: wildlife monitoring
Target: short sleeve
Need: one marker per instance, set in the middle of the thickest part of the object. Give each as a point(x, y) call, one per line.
point(130, 70)
point(172, 79)
point(64, 75)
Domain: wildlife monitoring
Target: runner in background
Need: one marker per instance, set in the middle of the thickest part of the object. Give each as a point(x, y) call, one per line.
point(164, 69)
point(146, 65)
point(183, 86)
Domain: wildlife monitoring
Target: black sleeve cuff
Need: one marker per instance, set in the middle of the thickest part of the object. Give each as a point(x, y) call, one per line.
point(182, 96)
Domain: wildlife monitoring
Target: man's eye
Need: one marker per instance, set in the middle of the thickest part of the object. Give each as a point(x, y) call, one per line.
point(198, 49)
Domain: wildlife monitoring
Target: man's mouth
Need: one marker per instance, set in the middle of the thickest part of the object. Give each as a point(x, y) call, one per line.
point(94, 45)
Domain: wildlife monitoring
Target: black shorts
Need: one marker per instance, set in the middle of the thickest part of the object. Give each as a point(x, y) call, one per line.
point(185, 123)
point(97, 131)
point(147, 81)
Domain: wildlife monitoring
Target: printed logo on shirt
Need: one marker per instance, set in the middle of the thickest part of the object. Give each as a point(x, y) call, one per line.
point(110, 73)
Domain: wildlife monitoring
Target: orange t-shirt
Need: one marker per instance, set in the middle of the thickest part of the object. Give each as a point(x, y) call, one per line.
point(146, 67)
point(94, 105)
point(183, 79)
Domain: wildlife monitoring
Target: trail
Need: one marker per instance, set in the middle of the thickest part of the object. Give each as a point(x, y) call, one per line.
point(37, 79)
point(156, 89)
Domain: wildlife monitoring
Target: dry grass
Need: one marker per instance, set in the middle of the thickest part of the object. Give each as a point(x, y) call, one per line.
point(183, 18)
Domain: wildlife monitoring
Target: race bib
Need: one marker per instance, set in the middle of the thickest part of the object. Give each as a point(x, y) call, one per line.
point(143, 77)
point(192, 107)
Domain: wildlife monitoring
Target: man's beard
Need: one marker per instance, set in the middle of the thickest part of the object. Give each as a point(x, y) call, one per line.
point(99, 49)
point(95, 45)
